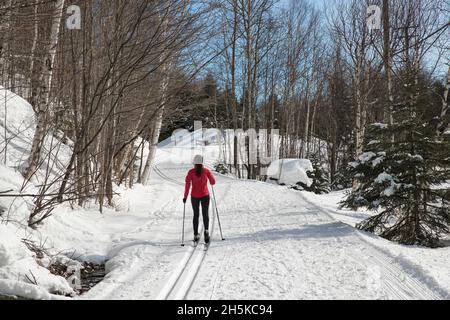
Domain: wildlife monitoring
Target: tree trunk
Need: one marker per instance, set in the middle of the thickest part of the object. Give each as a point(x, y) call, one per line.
point(306, 134)
point(5, 43)
point(153, 141)
point(445, 108)
point(128, 151)
point(388, 118)
point(33, 48)
point(46, 78)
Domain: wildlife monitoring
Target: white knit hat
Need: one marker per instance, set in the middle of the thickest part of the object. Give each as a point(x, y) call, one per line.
point(198, 159)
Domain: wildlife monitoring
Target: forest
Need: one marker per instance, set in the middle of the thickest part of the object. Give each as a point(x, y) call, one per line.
point(357, 87)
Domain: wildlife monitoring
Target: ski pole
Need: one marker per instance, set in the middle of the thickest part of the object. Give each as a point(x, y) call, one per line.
point(184, 215)
point(217, 212)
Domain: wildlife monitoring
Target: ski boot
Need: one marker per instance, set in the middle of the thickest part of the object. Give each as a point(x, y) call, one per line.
point(207, 239)
point(196, 239)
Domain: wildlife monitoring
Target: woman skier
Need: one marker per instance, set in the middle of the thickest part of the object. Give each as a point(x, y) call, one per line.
point(198, 178)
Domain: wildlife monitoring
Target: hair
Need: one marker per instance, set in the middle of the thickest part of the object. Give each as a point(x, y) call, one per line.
point(198, 170)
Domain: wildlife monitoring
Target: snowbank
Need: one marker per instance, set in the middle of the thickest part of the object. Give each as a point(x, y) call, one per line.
point(18, 121)
point(11, 249)
point(428, 265)
point(290, 171)
point(12, 209)
point(20, 274)
point(17, 115)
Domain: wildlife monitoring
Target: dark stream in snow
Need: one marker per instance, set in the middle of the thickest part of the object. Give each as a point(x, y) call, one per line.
point(91, 275)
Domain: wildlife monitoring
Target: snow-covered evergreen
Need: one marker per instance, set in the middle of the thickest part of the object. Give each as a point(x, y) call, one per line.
point(319, 176)
point(402, 176)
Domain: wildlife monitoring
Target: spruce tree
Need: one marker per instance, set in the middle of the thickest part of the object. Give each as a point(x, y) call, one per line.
point(402, 175)
point(342, 179)
point(221, 168)
point(319, 177)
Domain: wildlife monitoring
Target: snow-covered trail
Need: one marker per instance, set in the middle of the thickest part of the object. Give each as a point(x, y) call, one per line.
point(280, 244)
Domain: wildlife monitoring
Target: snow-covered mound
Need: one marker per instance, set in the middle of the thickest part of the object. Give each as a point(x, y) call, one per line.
point(290, 171)
point(21, 273)
point(18, 266)
point(12, 209)
point(19, 269)
point(17, 125)
point(17, 128)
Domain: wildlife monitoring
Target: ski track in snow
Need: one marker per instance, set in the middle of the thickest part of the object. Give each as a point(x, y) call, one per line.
point(279, 245)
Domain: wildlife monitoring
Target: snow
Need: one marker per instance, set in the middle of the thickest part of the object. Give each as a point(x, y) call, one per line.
point(384, 177)
point(20, 127)
point(111, 230)
point(366, 156)
point(12, 180)
point(390, 191)
point(424, 264)
point(375, 159)
point(280, 243)
point(380, 125)
point(290, 171)
point(18, 266)
point(17, 119)
point(416, 157)
point(11, 249)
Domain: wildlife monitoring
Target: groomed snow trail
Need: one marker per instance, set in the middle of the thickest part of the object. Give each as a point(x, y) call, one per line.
point(280, 244)
point(179, 284)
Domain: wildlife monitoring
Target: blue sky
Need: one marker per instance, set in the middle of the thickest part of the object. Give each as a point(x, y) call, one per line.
point(318, 3)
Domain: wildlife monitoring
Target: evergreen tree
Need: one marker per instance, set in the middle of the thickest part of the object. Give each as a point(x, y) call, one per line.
point(402, 174)
point(319, 177)
point(221, 168)
point(342, 179)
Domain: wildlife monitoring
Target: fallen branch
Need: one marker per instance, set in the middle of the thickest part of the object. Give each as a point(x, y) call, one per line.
point(32, 281)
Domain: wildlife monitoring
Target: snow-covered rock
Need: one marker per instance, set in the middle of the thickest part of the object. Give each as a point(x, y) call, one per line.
point(290, 171)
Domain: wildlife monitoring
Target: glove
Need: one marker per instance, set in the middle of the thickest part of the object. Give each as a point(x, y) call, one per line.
point(184, 200)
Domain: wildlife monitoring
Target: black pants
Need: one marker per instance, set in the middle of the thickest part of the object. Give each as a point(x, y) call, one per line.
point(196, 207)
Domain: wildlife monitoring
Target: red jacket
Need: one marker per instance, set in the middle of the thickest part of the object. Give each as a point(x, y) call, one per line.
point(199, 184)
